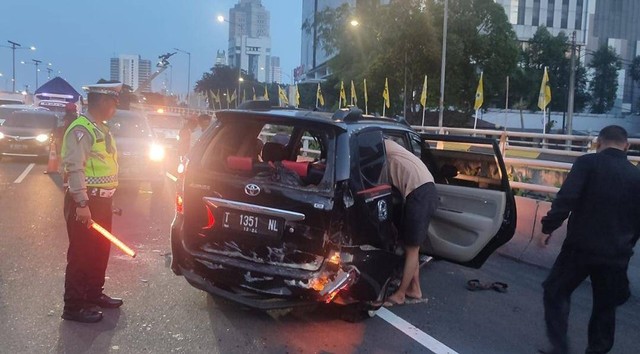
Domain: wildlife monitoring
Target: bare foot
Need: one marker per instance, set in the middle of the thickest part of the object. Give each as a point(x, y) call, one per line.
point(395, 299)
point(414, 293)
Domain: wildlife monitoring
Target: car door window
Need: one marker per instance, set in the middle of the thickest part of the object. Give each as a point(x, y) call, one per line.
point(371, 159)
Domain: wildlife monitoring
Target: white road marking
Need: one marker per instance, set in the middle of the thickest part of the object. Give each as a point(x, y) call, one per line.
point(416, 334)
point(24, 173)
point(172, 177)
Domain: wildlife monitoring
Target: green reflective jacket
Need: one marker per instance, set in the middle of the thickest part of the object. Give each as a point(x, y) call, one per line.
point(101, 168)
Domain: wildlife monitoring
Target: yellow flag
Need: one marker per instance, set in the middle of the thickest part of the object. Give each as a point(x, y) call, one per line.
point(354, 96)
point(283, 96)
point(233, 96)
point(297, 96)
point(266, 93)
point(216, 97)
point(254, 92)
point(385, 93)
point(545, 91)
point(479, 94)
point(366, 98)
point(423, 96)
point(319, 96)
point(343, 95)
point(244, 95)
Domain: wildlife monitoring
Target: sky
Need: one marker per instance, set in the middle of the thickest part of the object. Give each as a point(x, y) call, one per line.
point(78, 37)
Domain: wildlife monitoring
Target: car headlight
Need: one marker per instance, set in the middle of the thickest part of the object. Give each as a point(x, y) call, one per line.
point(156, 152)
point(42, 138)
point(1, 136)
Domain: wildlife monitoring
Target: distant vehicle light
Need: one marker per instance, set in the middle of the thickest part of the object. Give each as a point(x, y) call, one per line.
point(156, 152)
point(160, 110)
point(1, 136)
point(42, 138)
point(180, 167)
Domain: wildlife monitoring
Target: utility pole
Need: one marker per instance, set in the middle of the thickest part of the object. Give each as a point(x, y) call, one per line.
point(572, 79)
point(443, 64)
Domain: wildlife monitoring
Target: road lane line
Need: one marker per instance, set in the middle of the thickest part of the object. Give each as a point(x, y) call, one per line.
point(412, 331)
point(172, 177)
point(24, 173)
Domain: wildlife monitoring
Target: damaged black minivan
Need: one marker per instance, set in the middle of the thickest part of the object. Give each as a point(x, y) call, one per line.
point(277, 208)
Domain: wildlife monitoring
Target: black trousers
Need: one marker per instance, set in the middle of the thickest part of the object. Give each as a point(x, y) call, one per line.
point(610, 289)
point(88, 252)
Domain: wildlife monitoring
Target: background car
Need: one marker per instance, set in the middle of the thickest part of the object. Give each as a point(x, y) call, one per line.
point(312, 217)
point(27, 133)
point(140, 155)
point(7, 109)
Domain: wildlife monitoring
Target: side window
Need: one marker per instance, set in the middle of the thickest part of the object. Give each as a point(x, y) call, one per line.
point(371, 160)
point(465, 164)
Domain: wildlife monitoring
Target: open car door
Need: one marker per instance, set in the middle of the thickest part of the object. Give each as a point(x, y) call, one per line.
point(477, 210)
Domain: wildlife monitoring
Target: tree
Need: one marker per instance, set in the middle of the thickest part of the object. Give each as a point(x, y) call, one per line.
point(546, 50)
point(409, 38)
point(604, 86)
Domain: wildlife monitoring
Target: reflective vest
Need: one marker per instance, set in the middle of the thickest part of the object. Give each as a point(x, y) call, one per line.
point(101, 167)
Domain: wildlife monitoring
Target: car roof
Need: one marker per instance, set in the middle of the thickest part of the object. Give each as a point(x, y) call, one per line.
point(23, 107)
point(345, 119)
point(34, 113)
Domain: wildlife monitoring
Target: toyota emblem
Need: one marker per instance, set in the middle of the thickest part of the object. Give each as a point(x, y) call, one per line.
point(252, 189)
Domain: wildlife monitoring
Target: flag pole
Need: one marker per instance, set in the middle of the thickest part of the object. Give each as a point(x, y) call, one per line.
point(424, 109)
point(506, 104)
point(475, 121)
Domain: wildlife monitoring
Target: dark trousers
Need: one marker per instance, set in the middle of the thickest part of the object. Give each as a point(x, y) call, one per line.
point(610, 288)
point(88, 252)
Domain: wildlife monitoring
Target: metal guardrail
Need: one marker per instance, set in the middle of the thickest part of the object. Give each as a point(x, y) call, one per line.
point(537, 144)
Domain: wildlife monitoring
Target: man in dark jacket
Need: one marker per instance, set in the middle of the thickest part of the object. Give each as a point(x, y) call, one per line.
point(600, 196)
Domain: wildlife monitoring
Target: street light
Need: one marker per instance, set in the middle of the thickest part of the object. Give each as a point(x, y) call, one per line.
point(36, 63)
point(222, 19)
point(188, 73)
point(13, 48)
point(444, 63)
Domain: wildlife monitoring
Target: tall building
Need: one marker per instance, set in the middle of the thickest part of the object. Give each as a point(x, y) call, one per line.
point(313, 57)
point(275, 72)
point(221, 58)
point(131, 70)
point(249, 38)
point(596, 22)
point(556, 15)
point(615, 23)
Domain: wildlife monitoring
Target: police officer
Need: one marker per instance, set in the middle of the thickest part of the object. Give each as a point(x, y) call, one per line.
point(89, 159)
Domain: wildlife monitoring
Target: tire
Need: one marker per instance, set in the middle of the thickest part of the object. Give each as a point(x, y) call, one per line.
point(358, 312)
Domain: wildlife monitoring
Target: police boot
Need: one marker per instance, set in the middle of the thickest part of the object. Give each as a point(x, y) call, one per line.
point(82, 314)
point(106, 302)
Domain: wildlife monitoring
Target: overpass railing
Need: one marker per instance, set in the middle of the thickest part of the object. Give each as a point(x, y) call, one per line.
point(543, 151)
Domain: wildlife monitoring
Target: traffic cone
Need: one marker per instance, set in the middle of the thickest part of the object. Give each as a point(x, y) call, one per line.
point(52, 166)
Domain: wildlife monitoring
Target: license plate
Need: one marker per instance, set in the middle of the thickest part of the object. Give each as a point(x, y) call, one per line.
point(252, 223)
point(18, 146)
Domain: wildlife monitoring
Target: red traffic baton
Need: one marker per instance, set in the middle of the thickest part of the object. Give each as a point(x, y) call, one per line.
point(109, 236)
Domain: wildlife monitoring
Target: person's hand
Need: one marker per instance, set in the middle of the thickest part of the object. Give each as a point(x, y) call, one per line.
point(544, 240)
point(84, 216)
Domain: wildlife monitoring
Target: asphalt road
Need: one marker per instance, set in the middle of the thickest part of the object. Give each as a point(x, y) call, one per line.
point(163, 314)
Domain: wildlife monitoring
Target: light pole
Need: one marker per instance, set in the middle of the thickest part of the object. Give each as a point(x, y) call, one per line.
point(444, 63)
point(36, 62)
point(222, 19)
point(13, 48)
point(188, 73)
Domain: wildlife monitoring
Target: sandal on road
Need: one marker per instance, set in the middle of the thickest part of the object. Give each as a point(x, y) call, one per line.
point(475, 285)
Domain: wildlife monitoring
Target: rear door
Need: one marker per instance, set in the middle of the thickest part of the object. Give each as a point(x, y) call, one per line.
point(477, 212)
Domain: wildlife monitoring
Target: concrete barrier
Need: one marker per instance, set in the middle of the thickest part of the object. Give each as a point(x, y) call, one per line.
point(527, 244)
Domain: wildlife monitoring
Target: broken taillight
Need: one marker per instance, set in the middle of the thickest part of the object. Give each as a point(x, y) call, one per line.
point(179, 204)
point(211, 220)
